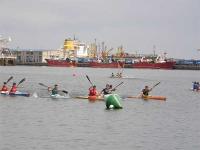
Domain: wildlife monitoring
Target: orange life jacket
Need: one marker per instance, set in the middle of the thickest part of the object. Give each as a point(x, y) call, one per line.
point(92, 92)
point(13, 89)
point(4, 88)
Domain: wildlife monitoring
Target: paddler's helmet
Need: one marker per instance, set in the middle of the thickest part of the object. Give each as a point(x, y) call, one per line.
point(55, 85)
point(14, 83)
point(94, 86)
point(4, 83)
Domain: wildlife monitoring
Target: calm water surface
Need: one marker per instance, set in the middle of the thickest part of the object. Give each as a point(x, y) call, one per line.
point(36, 123)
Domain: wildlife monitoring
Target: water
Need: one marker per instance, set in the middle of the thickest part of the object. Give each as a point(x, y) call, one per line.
point(36, 123)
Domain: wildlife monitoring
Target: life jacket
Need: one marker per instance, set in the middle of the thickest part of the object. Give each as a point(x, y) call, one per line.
point(13, 89)
point(4, 88)
point(92, 92)
point(54, 91)
point(145, 92)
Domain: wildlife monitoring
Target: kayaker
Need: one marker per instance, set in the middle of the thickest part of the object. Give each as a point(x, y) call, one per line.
point(13, 88)
point(112, 75)
point(119, 75)
point(4, 87)
point(195, 86)
point(107, 90)
point(54, 91)
point(93, 91)
point(145, 91)
point(198, 86)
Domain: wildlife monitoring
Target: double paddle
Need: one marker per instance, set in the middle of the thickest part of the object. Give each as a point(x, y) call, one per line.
point(9, 79)
point(118, 85)
point(154, 86)
point(48, 87)
point(21, 81)
point(89, 80)
point(93, 84)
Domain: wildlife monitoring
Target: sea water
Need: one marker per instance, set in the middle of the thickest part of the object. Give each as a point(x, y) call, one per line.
point(41, 123)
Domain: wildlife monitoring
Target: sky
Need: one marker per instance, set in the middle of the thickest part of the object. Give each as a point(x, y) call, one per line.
point(141, 26)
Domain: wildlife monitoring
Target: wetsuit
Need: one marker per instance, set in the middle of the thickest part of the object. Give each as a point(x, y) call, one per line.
point(106, 91)
point(54, 91)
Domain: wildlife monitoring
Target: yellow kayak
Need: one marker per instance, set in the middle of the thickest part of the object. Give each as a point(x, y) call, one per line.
point(163, 98)
point(91, 98)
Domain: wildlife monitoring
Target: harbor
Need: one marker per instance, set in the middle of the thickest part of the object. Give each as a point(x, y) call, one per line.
point(75, 53)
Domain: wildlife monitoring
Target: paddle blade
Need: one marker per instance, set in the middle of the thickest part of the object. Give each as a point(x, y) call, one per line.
point(21, 81)
point(9, 79)
point(43, 85)
point(89, 79)
point(155, 86)
point(66, 92)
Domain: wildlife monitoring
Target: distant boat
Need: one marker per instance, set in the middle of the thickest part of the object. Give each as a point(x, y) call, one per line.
point(154, 65)
point(61, 63)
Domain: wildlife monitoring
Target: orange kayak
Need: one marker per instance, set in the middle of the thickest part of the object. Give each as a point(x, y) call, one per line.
point(163, 98)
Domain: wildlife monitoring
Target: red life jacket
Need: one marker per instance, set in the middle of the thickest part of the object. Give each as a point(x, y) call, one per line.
point(13, 89)
point(92, 92)
point(4, 88)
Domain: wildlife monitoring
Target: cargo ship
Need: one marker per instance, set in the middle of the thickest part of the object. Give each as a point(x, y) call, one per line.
point(153, 62)
point(154, 65)
point(60, 63)
point(95, 64)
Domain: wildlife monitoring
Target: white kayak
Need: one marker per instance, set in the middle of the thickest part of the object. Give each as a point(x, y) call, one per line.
point(58, 96)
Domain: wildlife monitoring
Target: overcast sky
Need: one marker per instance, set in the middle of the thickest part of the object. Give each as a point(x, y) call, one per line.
point(173, 26)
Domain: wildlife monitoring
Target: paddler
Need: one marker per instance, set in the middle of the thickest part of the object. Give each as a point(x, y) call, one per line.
point(93, 91)
point(195, 86)
point(4, 87)
point(112, 76)
point(107, 90)
point(54, 91)
point(13, 88)
point(145, 91)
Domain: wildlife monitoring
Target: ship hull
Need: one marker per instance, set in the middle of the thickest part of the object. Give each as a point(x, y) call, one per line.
point(106, 65)
point(148, 65)
point(60, 63)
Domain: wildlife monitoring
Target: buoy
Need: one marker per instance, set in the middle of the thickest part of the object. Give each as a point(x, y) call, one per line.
point(113, 101)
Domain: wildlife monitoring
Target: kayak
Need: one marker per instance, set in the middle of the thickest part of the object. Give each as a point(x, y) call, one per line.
point(191, 89)
point(91, 98)
point(17, 93)
point(113, 101)
point(163, 98)
point(58, 96)
point(115, 77)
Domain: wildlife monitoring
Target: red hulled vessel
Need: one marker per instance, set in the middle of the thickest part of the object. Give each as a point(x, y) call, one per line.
point(106, 65)
point(60, 63)
point(154, 65)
